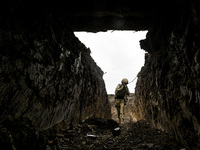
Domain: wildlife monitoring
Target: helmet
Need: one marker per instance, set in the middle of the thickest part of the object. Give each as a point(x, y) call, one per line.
point(125, 81)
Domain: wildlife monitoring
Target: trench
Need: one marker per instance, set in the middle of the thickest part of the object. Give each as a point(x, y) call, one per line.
point(52, 93)
point(96, 133)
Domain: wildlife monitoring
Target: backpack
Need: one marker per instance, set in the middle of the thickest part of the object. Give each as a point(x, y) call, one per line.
point(120, 92)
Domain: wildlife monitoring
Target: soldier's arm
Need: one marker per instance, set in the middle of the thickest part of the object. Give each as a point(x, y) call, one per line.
point(117, 88)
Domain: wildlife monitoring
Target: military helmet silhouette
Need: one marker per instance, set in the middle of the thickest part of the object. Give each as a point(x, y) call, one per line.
point(125, 81)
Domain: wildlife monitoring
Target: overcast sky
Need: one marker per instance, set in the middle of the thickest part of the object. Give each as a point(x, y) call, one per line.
point(117, 53)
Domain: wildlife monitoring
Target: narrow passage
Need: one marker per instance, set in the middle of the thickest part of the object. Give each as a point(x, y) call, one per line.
point(98, 134)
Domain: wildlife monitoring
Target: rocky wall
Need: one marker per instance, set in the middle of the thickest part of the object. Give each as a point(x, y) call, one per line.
point(47, 75)
point(167, 90)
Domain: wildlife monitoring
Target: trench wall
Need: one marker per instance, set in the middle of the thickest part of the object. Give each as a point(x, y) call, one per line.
point(47, 75)
point(167, 90)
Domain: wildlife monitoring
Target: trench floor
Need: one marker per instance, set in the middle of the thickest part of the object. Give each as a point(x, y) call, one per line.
point(98, 134)
point(101, 135)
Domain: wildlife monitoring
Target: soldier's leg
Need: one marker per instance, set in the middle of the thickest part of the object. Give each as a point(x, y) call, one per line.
point(117, 105)
point(122, 112)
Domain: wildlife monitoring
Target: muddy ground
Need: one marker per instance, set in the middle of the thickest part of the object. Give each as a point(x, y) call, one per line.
point(98, 134)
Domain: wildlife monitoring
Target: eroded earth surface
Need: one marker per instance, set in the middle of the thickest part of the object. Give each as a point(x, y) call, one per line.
point(106, 134)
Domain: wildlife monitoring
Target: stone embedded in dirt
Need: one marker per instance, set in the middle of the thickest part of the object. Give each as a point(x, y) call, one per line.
point(116, 131)
point(90, 135)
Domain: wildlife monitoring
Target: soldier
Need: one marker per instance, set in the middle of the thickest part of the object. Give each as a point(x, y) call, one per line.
point(121, 93)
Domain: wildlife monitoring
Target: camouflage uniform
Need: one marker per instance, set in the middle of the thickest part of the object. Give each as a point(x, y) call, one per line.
point(120, 102)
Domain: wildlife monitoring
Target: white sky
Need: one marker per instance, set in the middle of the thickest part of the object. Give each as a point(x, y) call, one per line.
point(117, 53)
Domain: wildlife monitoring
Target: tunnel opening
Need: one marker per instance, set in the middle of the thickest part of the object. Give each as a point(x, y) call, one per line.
point(48, 78)
point(117, 53)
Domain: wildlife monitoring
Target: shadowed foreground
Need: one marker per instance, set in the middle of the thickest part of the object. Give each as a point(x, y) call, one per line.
point(100, 134)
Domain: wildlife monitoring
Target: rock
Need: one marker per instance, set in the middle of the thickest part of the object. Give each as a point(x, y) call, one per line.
point(116, 131)
point(92, 136)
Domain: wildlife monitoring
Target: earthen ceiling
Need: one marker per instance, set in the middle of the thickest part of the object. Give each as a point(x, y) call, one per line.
point(89, 15)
